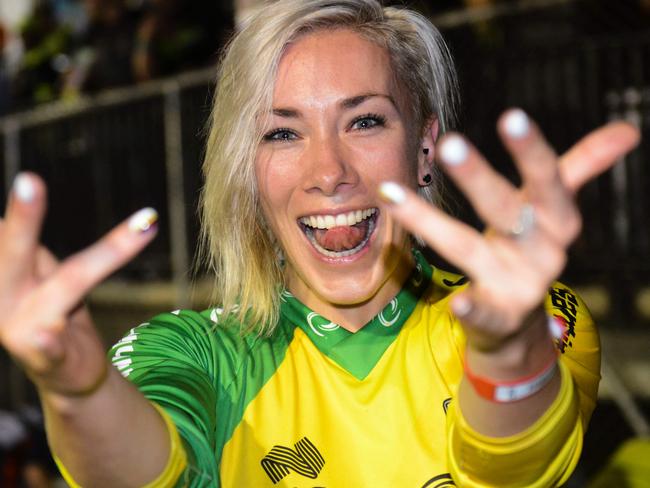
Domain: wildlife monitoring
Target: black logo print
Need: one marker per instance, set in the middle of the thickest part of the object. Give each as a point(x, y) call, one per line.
point(566, 306)
point(305, 460)
point(440, 481)
point(459, 282)
point(445, 404)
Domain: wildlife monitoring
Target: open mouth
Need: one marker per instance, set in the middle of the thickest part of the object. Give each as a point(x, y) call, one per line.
point(341, 235)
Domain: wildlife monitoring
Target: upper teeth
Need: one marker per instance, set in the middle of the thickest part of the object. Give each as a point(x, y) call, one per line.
point(329, 221)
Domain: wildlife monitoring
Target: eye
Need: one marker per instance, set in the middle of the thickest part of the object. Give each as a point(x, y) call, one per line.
point(281, 135)
point(368, 121)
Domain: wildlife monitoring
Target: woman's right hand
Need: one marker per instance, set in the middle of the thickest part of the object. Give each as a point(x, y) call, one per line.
point(43, 323)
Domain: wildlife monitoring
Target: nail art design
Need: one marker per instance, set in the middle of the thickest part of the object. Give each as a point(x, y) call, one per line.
point(392, 192)
point(143, 220)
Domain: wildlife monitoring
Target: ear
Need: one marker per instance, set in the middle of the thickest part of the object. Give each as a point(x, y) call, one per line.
point(426, 152)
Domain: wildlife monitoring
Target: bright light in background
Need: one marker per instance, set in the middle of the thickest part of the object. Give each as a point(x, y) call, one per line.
point(13, 12)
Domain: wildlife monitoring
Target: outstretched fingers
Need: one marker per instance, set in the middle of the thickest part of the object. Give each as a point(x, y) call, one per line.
point(597, 152)
point(43, 316)
point(21, 228)
point(78, 274)
point(555, 210)
point(455, 241)
point(493, 197)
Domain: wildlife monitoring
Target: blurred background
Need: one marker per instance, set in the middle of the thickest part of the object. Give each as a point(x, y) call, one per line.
point(107, 99)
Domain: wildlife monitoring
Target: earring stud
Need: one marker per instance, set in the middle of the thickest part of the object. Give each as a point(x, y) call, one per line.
point(425, 150)
point(427, 178)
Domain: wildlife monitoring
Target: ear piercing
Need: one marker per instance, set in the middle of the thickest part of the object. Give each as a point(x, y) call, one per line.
point(426, 178)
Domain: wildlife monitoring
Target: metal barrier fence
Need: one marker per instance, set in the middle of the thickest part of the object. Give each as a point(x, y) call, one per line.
point(109, 155)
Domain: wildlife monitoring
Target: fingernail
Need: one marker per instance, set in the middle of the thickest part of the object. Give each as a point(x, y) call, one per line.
point(392, 192)
point(454, 150)
point(555, 327)
point(143, 220)
point(461, 306)
point(24, 188)
point(517, 123)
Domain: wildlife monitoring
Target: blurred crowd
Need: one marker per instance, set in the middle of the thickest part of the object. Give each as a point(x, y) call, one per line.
point(54, 49)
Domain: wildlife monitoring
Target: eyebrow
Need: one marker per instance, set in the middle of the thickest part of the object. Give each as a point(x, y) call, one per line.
point(353, 102)
point(347, 103)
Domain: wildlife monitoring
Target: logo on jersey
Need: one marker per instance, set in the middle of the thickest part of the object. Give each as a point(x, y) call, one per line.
point(305, 460)
point(393, 317)
point(317, 322)
point(440, 481)
point(459, 282)
point(566, 312)
point(418, 278)
point(445, 404)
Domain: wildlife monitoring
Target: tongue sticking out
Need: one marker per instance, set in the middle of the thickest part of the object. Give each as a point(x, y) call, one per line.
point(341, 238)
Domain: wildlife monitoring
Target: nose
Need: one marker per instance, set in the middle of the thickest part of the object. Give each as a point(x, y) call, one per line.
point(328, 170)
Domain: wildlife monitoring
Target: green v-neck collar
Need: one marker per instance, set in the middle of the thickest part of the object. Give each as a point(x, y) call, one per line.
point(358, 352)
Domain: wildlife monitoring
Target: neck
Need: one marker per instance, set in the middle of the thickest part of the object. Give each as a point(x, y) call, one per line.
point(353, 317)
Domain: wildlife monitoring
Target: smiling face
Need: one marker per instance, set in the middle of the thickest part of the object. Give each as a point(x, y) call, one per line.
point(337, 130)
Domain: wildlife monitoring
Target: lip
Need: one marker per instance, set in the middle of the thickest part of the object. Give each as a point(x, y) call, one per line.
point(343, 259)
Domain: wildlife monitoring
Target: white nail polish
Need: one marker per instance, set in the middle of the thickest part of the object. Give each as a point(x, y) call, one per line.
point(392, 192)
point(517, 124)
point(24, 188)
point(454, 150)
point(143, 220)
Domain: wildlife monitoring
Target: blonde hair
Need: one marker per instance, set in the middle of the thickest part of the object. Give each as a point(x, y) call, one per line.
point(235, 240)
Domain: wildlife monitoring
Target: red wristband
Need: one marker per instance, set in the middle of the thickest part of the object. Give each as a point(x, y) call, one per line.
point(515, 390)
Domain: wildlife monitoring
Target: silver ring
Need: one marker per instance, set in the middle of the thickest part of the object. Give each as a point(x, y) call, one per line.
point(525, 222)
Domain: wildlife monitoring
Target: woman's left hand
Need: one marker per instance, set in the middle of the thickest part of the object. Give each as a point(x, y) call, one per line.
point(528, 228)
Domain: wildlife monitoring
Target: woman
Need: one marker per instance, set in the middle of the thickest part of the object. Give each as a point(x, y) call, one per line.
point(339, 357)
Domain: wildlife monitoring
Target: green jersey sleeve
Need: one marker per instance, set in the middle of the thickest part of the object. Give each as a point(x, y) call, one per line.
point(178, 361)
